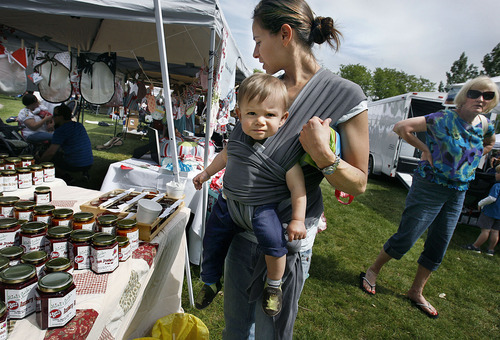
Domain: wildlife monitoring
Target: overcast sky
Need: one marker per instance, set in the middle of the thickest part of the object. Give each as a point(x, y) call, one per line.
point(422, 37)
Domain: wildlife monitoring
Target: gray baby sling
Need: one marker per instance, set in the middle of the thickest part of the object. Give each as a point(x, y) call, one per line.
point(256, 176)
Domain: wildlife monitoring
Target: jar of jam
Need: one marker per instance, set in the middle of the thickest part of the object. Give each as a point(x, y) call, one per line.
point(1, 180)
point(59, 264)
point(49, 171)
point(17, 289)
point(4, 155)
point(13, 254)
point(7, 205)
point(37, 172)
point(4, 262)
point(27, 160)
point(33, 236)
point(107, 224)
point(43, 213)
point(23, 210)
point(9, 232)
point(103, 253)
point(62, 216)
point(12, 163)
point(36, 258)
point(9, 178)
point(2, 163)
point(42, 195)
point(56, 300)
point(124, 250)
point(83, 220)
point(3, 321)
point(129, 229)
point(58, 238)
point(79, 248)
point(24, 178)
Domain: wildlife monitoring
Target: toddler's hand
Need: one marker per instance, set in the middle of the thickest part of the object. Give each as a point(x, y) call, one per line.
point(199, 179)
point(296, 230)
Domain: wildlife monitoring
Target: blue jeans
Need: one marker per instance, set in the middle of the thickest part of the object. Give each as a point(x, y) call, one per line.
point(432, 207)
point(221, 229)
point(39, 137)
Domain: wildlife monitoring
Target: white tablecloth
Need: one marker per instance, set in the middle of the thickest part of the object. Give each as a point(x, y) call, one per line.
point(156, 289)
point(144, 174)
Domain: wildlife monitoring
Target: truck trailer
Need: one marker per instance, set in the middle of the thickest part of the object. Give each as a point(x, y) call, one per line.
point(389, 154)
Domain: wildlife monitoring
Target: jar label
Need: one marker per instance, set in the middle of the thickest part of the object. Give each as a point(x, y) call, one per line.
point(61, 223)
point(33, 243)
point(80, 256)
point(21, 302)
point(109, 230)
point(47, 219)
point(26, 164)
point(104, 260)
point(24, 180)
point(125, 253)
point(3, 330)
point(88, 226)
point(9, 183)
point(10, 166)
point(61, 309)
point(49, 174)
point(133, 237)
point(59, 249)
point(25, 215)
point(37, 177)
point(42, 198)
point(7, 211)
point(8, 239)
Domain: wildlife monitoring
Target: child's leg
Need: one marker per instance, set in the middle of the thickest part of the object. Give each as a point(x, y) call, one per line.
point(275, 267)
point(493, 240)
point(483, 236)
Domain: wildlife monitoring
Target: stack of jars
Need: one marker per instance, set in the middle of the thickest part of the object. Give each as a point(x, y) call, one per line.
point(22, 172)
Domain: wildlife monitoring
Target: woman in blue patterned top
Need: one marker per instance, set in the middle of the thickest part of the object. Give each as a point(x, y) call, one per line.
point(455, 141)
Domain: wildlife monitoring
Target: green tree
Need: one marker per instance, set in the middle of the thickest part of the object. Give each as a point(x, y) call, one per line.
point(441, 87)
point(389, 82)
point(461, 71)
point(359, 74)
point(491, 62)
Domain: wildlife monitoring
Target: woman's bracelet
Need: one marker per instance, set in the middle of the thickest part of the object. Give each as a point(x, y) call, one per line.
point(331, 168)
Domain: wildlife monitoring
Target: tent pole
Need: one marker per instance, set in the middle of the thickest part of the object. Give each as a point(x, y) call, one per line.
point(208, 130)
point(166, 86)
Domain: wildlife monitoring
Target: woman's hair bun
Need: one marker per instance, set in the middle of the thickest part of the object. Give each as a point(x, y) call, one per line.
point(323, 30)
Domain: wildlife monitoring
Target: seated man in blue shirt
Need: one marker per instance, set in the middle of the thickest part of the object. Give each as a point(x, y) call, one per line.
point(70, 150)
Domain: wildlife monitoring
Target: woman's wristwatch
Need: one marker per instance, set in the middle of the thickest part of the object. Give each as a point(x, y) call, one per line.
point(331, 168)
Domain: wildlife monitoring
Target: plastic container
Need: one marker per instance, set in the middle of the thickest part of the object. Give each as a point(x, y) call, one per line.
point(147, 211)
point(17, 287)
point(56, 300)
point(175, 190)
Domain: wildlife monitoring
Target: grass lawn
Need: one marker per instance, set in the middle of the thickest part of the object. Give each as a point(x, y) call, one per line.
point(332, 306)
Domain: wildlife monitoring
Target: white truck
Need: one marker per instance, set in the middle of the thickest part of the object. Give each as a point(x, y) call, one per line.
point(390, 154)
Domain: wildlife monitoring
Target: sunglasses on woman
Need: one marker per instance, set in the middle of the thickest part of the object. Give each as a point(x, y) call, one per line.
point(474, 94)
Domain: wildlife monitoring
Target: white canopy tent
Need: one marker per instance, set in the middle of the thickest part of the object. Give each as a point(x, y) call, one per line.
point(189, 35)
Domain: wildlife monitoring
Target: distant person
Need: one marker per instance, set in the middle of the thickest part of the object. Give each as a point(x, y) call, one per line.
point(71, 150)
point(455, 142)
point(262, 110)
point(35, 120)
point(489, 220)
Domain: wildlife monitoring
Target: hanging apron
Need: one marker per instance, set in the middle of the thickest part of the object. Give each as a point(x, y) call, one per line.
point(97, 79)
point(55, 86)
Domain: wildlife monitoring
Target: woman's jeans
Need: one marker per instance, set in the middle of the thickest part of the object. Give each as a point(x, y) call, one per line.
point(432, 207)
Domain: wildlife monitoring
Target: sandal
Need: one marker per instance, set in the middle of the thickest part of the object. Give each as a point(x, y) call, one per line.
point(425, 308)
point(362, 279)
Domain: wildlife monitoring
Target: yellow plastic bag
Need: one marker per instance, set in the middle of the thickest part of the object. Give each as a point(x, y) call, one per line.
point(180, 326)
